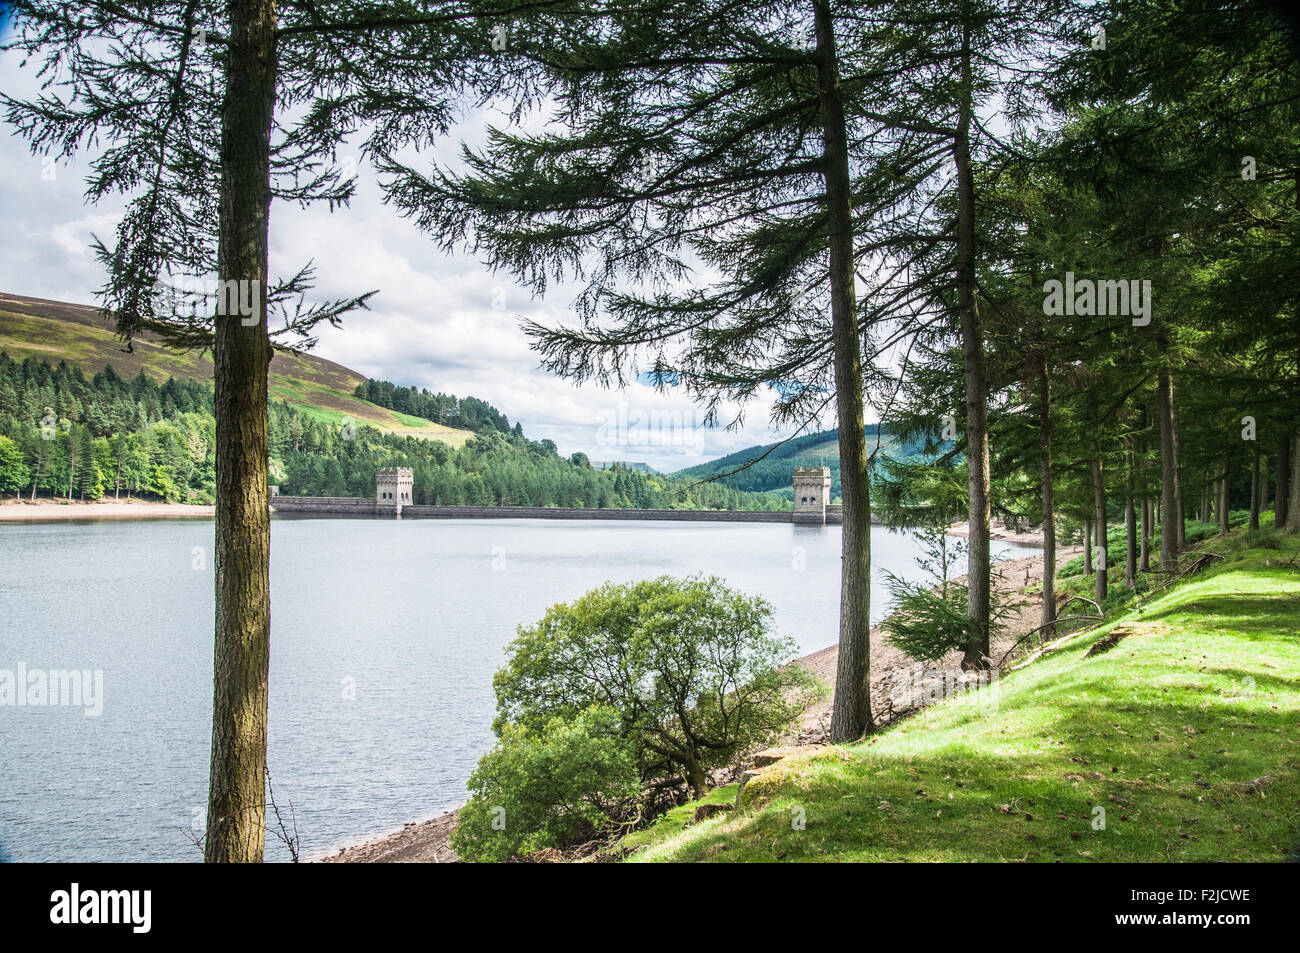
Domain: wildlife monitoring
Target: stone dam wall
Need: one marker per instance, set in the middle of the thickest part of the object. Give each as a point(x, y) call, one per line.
point(350, 506)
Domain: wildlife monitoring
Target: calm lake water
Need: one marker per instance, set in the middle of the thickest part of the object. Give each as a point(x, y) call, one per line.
point(385, 636)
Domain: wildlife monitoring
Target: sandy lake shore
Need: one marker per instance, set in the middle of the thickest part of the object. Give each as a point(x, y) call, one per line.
point(428, 841)
point(1001, 531)
point(48, 511)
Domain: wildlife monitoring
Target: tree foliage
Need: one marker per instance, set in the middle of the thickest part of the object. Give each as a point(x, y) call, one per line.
point(690, 666)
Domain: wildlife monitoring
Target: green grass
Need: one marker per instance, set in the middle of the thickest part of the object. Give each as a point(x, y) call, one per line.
point(678, 819)
point(1185, 734)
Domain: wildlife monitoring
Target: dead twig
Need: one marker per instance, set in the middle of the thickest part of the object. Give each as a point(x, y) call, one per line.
point(294, 841)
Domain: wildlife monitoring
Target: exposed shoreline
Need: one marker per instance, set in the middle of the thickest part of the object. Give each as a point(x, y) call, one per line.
point(428, 841)
point(51, 511)
point(999, 531)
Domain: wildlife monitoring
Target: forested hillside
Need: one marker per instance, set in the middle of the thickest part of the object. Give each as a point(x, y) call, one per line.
point(66, 435)
point(78, 334)
point(469, 413)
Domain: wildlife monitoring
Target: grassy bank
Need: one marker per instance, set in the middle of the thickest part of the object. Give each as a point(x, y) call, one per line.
point(1180, 743)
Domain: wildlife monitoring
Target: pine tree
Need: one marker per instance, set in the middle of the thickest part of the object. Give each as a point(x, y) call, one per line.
point(679, 142)
point(183, 94)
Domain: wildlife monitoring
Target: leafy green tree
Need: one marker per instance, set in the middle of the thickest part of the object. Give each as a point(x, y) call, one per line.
point(90, 482)
point(929, 617)
point(689, 665)
point(548, 787)
point(14, 474)
point(160, 483)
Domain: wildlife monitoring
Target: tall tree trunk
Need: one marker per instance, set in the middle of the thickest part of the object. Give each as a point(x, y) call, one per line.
point(972, 338)
point(241, 354)
point(1146, 534)
point(1263, 483)
point(1293, 494)
point(1224, 482)
point(851, 710)
point(1130, 519)
point(1281, 501)
point(1256, 487)
point(1087, 547)
point(1180, 510)
point(1048, 615)
point(1169, 513)
point(1099, 524)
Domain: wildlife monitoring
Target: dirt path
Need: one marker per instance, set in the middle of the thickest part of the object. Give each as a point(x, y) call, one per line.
point(428, 842)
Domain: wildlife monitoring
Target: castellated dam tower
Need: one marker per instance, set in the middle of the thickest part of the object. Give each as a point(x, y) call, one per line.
point(812, 491)
point(393, 490)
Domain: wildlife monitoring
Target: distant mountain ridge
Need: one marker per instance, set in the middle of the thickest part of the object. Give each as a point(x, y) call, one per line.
point(773, 471)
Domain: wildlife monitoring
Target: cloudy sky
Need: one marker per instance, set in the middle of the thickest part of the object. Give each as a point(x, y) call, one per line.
point(439, 321)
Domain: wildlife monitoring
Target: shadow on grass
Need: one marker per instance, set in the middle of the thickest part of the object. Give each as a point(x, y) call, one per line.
point(1173, 767)
point(1255, 617)
point(1162, 792)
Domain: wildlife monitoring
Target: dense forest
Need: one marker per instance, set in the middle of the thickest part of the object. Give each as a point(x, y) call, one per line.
point(467, 413)
point(67, 436)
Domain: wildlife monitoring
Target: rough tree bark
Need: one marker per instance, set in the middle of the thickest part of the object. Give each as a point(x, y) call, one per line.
point(1280, 507)
point(972, 339)
point(1099, 526)
point(1256, 488)
point(1179, 510)
point(1130, 518)
point(1224, 483)
point(1048, 616)
point(1293, 495)
point(1168, 475)
point(1087, 547)
point(851, 709)
point(241, 354)
point(1146, 533)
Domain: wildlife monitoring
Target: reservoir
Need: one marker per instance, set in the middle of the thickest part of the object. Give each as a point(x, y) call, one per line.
point(384, 638)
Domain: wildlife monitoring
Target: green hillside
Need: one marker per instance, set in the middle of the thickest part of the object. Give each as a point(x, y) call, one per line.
point(772, 472)
point(77, 334)
point(81, 419)
point(1176, 743)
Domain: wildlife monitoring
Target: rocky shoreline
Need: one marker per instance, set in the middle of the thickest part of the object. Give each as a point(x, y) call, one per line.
point(428, 841)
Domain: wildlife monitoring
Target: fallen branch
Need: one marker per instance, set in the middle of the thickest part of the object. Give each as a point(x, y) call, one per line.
point(1057, 621)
